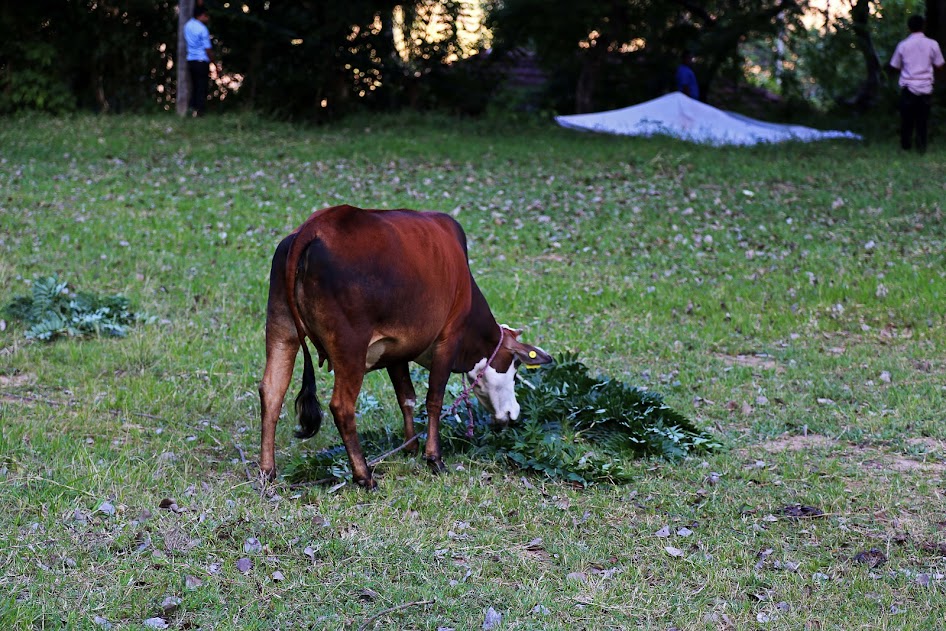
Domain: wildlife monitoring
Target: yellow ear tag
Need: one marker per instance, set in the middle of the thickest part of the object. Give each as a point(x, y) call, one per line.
point(532, 355)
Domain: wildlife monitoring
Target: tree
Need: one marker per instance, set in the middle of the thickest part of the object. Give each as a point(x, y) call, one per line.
point(97, 54)
point(611, 51)
point(185, 9)
point(867, 93)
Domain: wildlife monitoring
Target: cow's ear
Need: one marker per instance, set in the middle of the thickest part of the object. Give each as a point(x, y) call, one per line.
point(532, 355)
point(514, 333)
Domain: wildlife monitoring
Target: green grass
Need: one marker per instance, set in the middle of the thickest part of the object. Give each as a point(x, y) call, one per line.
point(788, 298)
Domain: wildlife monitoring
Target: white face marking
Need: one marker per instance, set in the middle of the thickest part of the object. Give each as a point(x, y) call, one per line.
point(496, 391)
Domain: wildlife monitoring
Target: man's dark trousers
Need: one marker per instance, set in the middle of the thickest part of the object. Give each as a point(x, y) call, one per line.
point(914, 115)
point(200, 76)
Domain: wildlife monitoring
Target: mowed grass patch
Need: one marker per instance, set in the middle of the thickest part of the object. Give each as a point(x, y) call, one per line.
point(787, 298)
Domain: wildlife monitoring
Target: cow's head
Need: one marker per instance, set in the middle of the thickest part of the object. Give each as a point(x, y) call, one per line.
point(495, 390)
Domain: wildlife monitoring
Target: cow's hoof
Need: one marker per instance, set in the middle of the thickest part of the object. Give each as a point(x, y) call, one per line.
point(268, 473)
point(368, 485)
point(436, 466)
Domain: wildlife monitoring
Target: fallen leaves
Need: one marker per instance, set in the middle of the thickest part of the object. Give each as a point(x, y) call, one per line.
point(192, 582)
point(491, 619)
point(170, 504)
point(871, 558)
point(798, 511)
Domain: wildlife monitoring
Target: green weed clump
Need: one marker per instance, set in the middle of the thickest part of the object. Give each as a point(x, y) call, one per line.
point(52, 311)
point(573, 427)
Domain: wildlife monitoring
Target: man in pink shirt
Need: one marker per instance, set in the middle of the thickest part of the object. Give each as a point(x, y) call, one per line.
point(915, 58)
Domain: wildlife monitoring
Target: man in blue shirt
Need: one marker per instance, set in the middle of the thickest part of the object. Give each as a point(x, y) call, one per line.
point(686, 78)
point(199, 57)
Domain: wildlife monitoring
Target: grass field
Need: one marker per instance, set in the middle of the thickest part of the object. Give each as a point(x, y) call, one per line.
point(788, 298)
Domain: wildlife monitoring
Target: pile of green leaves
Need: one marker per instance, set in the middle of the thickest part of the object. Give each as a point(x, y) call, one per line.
point(572, 426)
point(52, 311)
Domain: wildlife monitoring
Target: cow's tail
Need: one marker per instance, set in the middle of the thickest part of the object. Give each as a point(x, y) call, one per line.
point(308, 409)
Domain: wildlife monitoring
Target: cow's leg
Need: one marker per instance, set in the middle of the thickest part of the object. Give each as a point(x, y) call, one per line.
point(281, 349)
point(406, 399)
point(439, 374)
point(348, 380)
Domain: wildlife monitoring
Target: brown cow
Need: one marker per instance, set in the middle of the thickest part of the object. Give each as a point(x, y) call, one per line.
point(378, 289)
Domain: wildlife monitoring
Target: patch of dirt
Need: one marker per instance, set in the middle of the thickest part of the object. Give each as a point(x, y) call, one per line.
point(797, 443)
point(867, 457)
point(902, 464)
point(16, 380)
point(758, 360)
point(931, 444)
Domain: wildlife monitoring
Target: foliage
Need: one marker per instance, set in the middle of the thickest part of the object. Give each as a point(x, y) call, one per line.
point(572, 427)
point(68, 54)
point(829, 64)
point(608, 54)
point(51, 311)
point(317, 59)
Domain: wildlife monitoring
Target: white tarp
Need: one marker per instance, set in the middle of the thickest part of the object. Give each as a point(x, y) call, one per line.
point(680, 116)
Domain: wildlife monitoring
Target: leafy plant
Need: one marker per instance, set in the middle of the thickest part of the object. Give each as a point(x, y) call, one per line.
point(572, 427)
point(52, 311)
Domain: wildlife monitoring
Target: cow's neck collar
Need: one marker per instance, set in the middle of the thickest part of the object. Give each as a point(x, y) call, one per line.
point(472, 382)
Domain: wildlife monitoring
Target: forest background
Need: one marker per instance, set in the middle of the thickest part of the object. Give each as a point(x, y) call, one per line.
point(319, 60)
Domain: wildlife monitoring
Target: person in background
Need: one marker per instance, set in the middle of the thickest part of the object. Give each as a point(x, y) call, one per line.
point(915, 58)
point(686, 78)
point(199, 57)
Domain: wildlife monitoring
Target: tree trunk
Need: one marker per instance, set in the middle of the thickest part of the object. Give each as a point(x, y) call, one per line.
point(867, 93)
point(185, 9)
point(587, 79)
